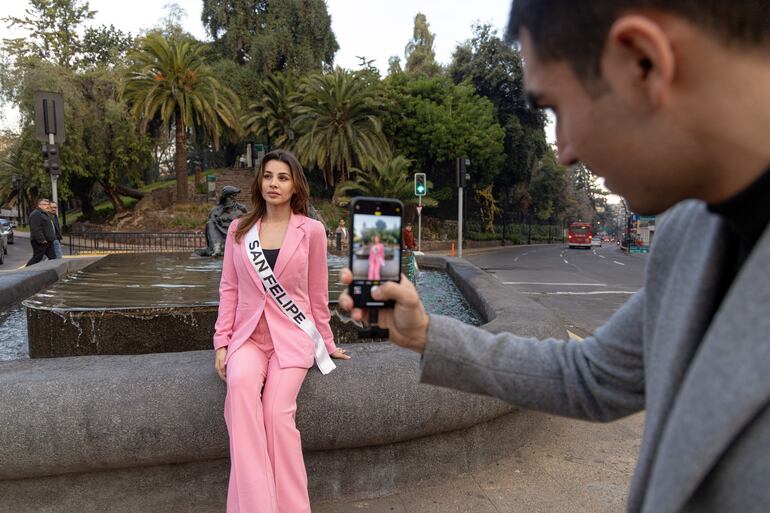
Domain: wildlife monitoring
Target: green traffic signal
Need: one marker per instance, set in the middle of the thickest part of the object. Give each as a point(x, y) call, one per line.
point(419, 184)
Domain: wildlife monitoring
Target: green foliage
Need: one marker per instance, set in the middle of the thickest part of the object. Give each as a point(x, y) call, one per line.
point(277, 35)
point(52, 31)
point(433, 121)
point(169, 79)
point(420, 54)
point(273, 116)
point(390, 179)
point(339, 124)
point(104, 46)
point(100, 147)
point(495, 71)
point(547, 188)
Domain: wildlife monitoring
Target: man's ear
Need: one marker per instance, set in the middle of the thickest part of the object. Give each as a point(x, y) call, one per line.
point(638, 60)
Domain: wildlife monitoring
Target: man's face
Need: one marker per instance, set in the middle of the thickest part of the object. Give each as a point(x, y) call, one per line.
point(52, 208)
point(44, 206)
point(618, 136)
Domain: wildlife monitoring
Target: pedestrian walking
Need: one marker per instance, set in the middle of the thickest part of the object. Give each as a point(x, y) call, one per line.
point(341, 235)
point(53, 212)
point(273, 322)
point(41, 233)
point(668, 101)
point(408, 237)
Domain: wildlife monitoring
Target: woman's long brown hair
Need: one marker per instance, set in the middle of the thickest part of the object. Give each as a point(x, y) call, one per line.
point(299, 200)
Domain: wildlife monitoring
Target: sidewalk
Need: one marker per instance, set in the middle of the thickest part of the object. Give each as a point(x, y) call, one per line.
point(569, 466)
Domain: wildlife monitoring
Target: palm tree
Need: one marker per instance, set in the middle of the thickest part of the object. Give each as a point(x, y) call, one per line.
point(169, 78)
point(389, 179)
point(273, 115)
point(339, 123)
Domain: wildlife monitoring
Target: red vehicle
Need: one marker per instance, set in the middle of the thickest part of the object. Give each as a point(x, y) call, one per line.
point(580, 235)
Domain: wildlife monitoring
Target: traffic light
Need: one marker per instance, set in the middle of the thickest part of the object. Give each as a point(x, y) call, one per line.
point(462, 171)
point(51, 159)
point(420, 184)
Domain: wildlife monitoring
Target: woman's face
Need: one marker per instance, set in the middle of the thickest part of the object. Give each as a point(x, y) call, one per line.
point(277, 183)
point(376, 239)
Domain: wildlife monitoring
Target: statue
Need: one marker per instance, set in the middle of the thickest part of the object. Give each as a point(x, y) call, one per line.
point(219, 221)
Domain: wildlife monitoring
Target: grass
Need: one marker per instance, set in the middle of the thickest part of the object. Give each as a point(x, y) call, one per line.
point(191, 216)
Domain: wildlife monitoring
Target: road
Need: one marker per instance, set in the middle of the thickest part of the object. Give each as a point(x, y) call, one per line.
point(19, 253)
point(582, 287)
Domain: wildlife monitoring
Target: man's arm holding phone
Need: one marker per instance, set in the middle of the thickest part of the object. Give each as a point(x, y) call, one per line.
point(601, 378)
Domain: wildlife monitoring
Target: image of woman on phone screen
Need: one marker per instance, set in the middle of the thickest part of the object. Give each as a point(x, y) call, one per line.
point(273, 322)
point(376, 257)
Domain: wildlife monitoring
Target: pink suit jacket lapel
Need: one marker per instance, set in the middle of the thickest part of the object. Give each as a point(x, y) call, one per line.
point(291, 241)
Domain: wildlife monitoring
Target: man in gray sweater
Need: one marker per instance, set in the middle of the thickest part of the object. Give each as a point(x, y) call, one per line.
point(669, 101)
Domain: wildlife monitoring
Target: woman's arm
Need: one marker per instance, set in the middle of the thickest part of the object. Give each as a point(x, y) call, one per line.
point(228, 292)
point(318, 284)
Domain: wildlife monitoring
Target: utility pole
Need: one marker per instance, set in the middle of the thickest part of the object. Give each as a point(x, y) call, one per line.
point(420, 189)
point(462, 177)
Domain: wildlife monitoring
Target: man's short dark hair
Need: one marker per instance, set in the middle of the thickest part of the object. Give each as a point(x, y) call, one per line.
point(575, 30)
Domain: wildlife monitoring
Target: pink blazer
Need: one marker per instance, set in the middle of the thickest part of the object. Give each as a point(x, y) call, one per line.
point(301, 269)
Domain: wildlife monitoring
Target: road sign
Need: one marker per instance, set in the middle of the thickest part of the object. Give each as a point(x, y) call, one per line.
point(419, 210)
point(49, 117)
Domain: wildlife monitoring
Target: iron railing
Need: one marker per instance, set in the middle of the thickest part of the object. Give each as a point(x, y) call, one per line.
point(135, 242)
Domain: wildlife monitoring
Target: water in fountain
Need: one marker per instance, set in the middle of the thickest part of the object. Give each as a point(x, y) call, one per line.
point(135, 286)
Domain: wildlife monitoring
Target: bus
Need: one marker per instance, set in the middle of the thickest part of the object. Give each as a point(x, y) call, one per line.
point(580, 235)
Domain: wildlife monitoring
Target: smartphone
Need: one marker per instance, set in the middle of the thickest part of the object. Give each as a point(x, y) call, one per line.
point(374, 248)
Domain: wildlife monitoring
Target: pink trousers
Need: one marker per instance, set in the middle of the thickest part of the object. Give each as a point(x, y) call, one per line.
point(267, 471)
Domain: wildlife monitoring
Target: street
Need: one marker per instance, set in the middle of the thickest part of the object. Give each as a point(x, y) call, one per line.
point(19, 252)
point(582, 287)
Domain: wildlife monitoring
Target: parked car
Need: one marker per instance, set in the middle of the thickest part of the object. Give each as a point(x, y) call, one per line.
point(6, 227)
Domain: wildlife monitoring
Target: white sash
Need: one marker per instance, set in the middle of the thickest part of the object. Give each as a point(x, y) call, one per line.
point(282, 298)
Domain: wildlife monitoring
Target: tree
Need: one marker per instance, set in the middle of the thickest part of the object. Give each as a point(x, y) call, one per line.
point(339, 124)
point(277, 35)
point(433, 122)
point(273, 116)
point(495, 71)
point(169, 78)
point(419, 52)
point(101, 147)
point(52, 26)
point(104, 46)
point(390, 179)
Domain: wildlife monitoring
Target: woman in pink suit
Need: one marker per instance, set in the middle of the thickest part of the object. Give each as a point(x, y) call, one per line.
point(376, 258)
point(260, 353)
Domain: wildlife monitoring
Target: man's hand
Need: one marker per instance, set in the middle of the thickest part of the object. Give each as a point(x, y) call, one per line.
point(407, 322)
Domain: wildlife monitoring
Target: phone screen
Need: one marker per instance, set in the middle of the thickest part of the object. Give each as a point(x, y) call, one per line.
point(375, 249)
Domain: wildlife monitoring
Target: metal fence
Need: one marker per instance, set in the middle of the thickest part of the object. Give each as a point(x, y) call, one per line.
point(135, 242)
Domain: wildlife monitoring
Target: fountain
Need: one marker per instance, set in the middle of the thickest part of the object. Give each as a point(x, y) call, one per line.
point(167, 302)
point(140, 418)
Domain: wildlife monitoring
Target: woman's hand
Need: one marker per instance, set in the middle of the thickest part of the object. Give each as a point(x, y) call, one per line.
point(340, 354)
point(219, 362)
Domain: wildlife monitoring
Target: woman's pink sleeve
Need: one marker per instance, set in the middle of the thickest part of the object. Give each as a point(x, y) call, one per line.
point(318, 285)
point(228, 292)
